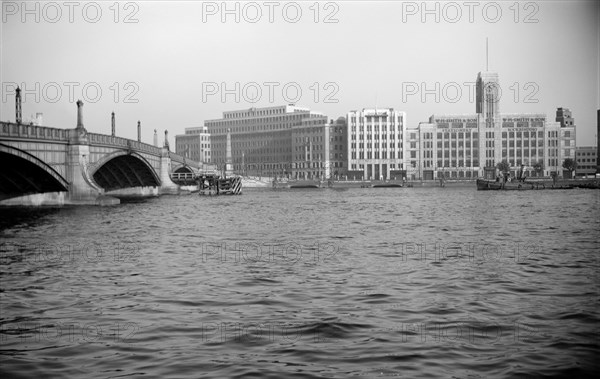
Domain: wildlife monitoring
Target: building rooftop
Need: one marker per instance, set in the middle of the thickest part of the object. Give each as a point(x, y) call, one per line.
point(255, 112)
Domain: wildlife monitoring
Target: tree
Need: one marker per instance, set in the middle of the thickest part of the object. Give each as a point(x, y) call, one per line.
point(569, 165)
point(538, 167)
point(503, 166)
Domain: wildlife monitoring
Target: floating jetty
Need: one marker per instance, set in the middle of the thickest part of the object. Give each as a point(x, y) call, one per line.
point(215, 185)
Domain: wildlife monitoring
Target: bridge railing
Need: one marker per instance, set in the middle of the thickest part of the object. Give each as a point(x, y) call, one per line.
point(103, 139)
point(9, 129)
point(183, 176)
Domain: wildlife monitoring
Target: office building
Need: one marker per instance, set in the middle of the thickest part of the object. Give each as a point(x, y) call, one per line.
point(471, 145)
point(586, 158)
point(319, 149)
point(375, 144)
point(194, 144)
point(262, 140)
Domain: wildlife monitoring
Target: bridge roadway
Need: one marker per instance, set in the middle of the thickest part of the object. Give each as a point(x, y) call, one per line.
point(49, 166)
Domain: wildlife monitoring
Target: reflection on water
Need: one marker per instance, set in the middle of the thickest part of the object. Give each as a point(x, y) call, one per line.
point(306, 283)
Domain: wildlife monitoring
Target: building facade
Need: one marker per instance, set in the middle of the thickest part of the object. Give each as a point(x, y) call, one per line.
point(469, 145)
point(375, 140)
point(319, 149)
point(338, 148)
point(586, 158)
point(194, 144)
point(310, 147)
point(262, 140)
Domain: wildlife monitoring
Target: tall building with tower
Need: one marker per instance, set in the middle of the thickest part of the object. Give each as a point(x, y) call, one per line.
point(471, 145)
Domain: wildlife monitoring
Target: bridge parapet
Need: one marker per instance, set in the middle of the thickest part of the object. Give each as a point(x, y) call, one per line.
point(113, 141)
point(188, 162)
point(10, 129)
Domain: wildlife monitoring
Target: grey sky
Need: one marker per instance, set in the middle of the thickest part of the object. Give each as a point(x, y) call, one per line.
point(371, 55)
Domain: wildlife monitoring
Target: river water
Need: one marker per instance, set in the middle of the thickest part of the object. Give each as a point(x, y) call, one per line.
point(411, 282)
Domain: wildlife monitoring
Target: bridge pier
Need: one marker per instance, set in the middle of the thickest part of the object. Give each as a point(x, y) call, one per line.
point(167, 187)
point(81, 188)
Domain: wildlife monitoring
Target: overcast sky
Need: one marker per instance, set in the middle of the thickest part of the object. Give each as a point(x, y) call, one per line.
point(164, 63)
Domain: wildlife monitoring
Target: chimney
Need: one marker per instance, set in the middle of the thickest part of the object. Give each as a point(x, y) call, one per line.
point(139, 131)
point(38, 118)
point(18, 116)
point(112, 124)
point(80, 115)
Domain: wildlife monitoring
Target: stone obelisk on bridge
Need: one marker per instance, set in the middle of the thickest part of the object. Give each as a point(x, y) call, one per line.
point(228, 156)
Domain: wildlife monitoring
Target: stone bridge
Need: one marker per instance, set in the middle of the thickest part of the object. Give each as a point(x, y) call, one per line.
point(42, 165)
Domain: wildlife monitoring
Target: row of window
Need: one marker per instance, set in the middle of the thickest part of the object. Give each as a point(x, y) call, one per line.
point(305, 148)
point(455, 135)
point(370, 137)
point(361, 145)
point(306, 139)
point(452, 153)
point(255, 128)
point(376, 155)
point(378, 118)
point(361, 167)
point(375, 128)
point(526, 153)
point(262, 112)
point(455, 163)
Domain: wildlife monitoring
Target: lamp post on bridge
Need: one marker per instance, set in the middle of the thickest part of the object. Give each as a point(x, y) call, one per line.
point(166, 143)
point(18, 116)
point(80, 126)
point(112, 123)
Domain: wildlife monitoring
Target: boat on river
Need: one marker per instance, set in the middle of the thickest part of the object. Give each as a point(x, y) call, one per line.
point(295, 183)
point(387, 185)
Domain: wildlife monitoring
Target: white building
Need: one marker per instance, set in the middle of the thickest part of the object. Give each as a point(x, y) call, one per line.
point(376, 144)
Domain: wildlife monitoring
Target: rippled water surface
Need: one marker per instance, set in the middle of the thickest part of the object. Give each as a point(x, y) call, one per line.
point(305, 283)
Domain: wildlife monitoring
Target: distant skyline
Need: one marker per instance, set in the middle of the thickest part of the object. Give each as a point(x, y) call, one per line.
point(174, 59)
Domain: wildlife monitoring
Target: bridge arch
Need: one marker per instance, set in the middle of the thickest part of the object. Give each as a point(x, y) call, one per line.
point(183, 169)
point(124, 169)
point(23, 174)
